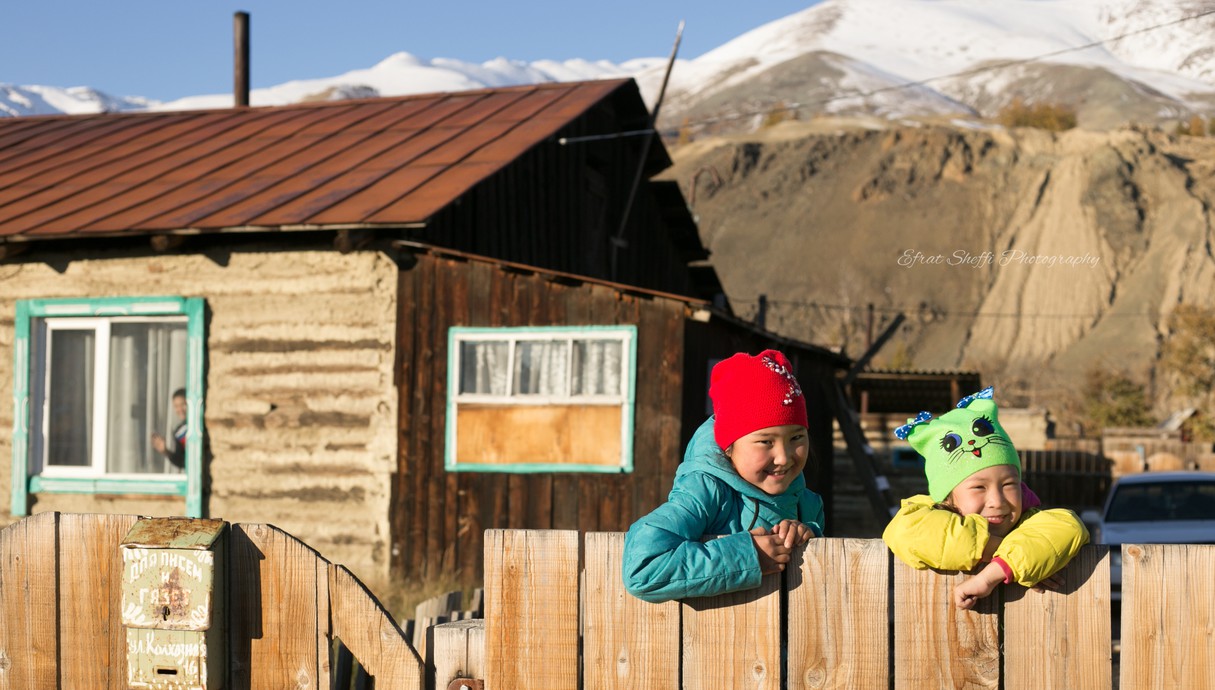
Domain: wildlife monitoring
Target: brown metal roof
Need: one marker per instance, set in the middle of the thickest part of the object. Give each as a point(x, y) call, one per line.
point(390, 161)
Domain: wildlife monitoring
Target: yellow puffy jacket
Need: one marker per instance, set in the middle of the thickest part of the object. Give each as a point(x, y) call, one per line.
point(1041, 543)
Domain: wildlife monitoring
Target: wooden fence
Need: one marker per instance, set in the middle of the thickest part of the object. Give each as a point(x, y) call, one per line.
point(556, 617)
point(288, 608)
point(1072, 478)
point(842, 616)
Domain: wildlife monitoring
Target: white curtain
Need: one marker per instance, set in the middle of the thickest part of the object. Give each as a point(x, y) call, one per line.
point(541, 367)
point(484, 367)
point(147, 363)
point(597, 367)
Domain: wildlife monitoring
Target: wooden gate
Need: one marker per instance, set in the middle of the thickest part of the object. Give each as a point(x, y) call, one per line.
point(61, 626)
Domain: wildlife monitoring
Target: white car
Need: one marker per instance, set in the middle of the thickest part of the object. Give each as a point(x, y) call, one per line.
point(1154, 508)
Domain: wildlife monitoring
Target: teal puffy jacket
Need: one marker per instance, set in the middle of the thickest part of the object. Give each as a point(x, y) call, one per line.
point(674, 551)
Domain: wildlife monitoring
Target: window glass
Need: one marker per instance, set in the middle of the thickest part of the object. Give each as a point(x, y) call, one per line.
point(147, 365)
point(483, 366)
point(1163, 501)
point(70, 391)
point(541, 367)
point(108, 402)
point(596, 367)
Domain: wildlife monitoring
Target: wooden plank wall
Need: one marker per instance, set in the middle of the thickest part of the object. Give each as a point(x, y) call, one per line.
point(439, 517)
point(841, 629)
point(61, 624)
point(557, 206)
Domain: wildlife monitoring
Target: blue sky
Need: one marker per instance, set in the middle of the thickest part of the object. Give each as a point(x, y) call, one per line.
point(167, 49)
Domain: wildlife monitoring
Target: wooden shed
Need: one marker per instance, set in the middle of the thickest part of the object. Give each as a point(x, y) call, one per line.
point(380, 325)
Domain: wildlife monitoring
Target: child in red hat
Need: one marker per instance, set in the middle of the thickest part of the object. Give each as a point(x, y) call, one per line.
point(739, 503)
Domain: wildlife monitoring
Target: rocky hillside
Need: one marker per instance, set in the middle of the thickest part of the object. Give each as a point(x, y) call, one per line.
point(1028, 255)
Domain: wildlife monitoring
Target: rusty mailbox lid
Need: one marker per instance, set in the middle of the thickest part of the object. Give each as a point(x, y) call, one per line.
point(168, 573)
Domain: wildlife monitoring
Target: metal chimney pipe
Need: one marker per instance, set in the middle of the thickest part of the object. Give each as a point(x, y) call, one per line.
point(240, 73)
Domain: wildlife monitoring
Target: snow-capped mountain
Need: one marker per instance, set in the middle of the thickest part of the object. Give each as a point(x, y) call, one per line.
point(1112, 60)
point(1143, 60)
point(397, 75)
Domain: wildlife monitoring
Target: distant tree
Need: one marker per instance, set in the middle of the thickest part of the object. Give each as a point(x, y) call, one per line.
point(777, 114)
point(1211, 126)
point(1187, 362)
point(1197, 126)
point(685, 132)
point(1048, 116)
point(1113, 398)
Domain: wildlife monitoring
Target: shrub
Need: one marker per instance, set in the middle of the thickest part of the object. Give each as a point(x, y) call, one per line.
point(777, 114)
point(1113, 398)
point(1048, 116)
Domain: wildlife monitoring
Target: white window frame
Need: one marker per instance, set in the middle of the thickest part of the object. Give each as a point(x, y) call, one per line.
point(32, 474)
point(625, 399)
point(101, 398)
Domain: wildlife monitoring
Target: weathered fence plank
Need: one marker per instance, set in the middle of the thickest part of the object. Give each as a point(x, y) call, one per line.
point(531, 621)
point(838, 594)
point(92, 638)
point(458, 651)
point(29, 608)
point(732, 641)
point(371, 635)
point(627, 643)
point(324, 612)
point(273, 598)
point(1168, 616)
point(936, 645)
point(1061, 639)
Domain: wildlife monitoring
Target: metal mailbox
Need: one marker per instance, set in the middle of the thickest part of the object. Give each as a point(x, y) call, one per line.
point(173, 604)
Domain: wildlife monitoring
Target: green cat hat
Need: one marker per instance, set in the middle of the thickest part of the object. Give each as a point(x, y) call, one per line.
point(960, 442)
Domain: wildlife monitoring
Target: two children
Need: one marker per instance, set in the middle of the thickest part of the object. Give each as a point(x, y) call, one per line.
point(977, 510)
point(739, 503)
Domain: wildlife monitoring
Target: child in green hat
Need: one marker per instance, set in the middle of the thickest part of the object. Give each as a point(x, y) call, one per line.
point(977, 510)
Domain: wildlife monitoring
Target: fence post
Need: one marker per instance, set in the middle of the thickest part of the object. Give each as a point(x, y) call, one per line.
point(1061, 639)
point(1168, 616)
point(732, 641)
point(29, 602)
point(458, 651)
point(841, 586)
point(627, 643)
point(937, 645)
point(531, 609)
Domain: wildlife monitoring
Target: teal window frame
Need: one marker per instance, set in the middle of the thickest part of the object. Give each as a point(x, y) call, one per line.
point(188, 485)
point(628, 399)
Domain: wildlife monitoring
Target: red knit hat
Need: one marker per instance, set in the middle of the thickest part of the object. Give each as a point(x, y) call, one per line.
point(752, 393)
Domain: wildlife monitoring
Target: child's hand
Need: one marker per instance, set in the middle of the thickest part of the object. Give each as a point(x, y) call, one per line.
point(1053, 583)
point(793, 533)
point(967, 594)
point(774, 555)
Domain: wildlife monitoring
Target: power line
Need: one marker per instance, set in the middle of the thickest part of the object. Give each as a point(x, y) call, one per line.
point(897, 87)
point(937, 312)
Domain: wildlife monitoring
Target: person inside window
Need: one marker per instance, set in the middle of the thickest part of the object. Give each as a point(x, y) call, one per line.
point(175, 454)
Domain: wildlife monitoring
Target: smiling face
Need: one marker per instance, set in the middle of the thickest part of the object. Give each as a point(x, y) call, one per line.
point(179, 406)
point(960, 443)
point(772, 457)
point(993, 492)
